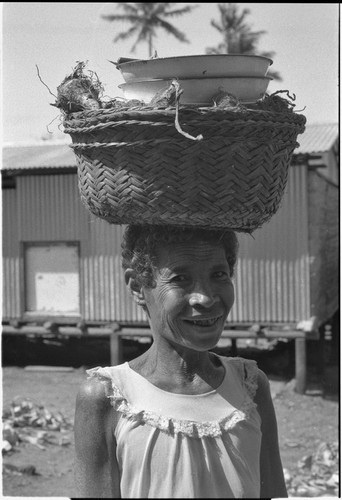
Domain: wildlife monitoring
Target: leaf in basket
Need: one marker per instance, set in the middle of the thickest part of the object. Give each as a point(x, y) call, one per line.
point(276, 103)
point(117, 105)
point(226, 100)
point(168, 97)
point(79, 92)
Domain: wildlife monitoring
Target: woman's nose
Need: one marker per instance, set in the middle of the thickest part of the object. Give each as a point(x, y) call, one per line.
point(203, 298)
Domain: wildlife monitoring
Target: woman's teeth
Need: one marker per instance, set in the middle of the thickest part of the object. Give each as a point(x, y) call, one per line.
point(204, 322)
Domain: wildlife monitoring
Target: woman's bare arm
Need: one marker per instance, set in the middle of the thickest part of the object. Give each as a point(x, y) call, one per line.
point(96, 469)
point(271, 470)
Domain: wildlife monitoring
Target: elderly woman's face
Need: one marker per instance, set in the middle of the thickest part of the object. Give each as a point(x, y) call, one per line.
point(193, 294)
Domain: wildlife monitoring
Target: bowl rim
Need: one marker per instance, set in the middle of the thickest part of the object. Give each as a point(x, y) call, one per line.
point(191, 79)
point(135, 62)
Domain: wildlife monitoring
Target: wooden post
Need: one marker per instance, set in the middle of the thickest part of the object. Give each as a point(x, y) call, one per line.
point(115, 345)
point(321, 352)
point(301, 365)
point(233, 349)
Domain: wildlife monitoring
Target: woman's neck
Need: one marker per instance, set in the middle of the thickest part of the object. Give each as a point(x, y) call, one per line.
point(184, 371)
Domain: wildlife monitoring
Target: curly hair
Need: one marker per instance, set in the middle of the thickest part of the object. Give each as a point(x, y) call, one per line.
point(140, 242)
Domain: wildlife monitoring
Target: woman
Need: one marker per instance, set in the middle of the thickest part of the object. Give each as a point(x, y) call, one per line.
point(179, 421)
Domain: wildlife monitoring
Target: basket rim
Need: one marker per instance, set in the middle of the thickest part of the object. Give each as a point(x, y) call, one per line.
point(187, 112)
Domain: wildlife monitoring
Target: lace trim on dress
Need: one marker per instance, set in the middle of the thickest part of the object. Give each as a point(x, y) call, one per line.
point(187, 427)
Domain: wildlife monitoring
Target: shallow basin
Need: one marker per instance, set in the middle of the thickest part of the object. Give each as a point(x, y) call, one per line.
point(200, 91)
point(197, 66)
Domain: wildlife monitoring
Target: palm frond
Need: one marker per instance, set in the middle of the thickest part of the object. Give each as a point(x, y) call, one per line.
point(275, 75)
point(269, 54)
point(180, 12)
point(143, 36)
point(125, 34)
point(146, 17)
point(120, 17)
point(132, 8)
point(220, 49)
point(161, 8)
point(216, 25)
point(169, 28)
point(238, 35)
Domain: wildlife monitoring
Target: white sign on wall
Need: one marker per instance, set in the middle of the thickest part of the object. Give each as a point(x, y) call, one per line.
point(52, 279)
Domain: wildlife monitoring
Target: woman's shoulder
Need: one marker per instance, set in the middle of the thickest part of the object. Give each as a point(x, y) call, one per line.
point(92, 393)
point(99, 387)
point(108, 375)
point(247, 372)
point(246, 368)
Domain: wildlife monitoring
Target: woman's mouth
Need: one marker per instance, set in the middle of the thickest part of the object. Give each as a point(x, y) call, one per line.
point(203, 322)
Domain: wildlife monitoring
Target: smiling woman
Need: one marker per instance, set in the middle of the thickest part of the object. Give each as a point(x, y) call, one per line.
point(178, 421)
point(192, 289)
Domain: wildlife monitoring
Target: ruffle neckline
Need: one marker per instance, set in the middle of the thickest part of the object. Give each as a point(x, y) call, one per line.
point(171, 425)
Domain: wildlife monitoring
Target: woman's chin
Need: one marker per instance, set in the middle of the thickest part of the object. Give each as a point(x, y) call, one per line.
point(202, 338)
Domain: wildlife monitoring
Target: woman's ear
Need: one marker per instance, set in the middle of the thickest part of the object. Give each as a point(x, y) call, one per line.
point(134, 286)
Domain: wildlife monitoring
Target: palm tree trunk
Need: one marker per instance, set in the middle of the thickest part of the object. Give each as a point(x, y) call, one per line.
point(150, 45)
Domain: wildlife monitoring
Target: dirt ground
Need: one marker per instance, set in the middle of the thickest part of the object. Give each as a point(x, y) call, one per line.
point(304, 421)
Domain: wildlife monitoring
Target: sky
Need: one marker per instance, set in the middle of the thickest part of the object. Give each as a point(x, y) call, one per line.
point(50, 37)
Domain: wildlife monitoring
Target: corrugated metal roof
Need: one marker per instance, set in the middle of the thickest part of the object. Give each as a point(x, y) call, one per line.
point(317, 138)
point(42, 155)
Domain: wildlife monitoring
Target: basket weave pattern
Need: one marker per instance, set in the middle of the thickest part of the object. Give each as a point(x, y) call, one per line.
point(135, 167)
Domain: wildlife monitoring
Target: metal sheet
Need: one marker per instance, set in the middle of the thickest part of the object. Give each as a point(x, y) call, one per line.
point(106, 295)
point(272, 275)
point(10, 252)
point(50, 209)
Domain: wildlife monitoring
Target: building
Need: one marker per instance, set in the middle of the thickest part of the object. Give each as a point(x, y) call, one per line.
point(62, 264)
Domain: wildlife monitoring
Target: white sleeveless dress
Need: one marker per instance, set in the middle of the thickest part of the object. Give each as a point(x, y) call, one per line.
point(186, 446)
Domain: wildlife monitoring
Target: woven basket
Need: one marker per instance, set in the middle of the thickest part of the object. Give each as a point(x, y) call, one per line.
point(134, 166)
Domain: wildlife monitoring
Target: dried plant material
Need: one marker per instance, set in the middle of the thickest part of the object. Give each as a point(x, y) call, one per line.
point(316, 474)
point(228, 101)
point(78, 91)
point(9, 434)
point(166, 98)
point(19, 470)
point(26, 422)
point(179, 92)
point(274, 102)
point(122, 104)
point(26, 413)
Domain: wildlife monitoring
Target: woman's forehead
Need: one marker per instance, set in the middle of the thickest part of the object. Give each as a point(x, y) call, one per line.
point(186, 253)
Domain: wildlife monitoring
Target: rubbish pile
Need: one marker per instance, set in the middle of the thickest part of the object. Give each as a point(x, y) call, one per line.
point(28, 422)
point(316, 475)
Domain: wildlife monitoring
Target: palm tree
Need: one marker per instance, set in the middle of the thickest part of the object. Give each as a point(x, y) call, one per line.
point(145, 18)
point(238, 37)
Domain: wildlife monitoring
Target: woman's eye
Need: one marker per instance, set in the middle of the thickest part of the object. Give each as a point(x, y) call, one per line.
point(221, 274)
point(179, 278)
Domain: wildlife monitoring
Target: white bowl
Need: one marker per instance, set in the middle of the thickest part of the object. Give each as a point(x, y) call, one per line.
point(198, 66)
point(200, 91)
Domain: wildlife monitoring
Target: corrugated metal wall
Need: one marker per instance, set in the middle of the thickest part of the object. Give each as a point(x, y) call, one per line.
point(272, 278)
point(42, 208)
point(105, 294)
point(324, 248)
point(11, 255)
point(49, 208)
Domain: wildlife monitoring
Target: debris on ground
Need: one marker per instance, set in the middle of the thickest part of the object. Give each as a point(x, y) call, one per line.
point(19, 470)
point(28, 422)
point(316, 475)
